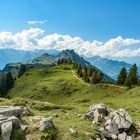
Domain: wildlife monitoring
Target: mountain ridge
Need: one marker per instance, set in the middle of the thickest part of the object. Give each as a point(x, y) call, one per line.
point(47, 59)
point(108, 66)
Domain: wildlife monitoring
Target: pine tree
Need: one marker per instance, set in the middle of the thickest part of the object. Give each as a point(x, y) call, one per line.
point(132, 77)
point(22, 70)
point(122, 76)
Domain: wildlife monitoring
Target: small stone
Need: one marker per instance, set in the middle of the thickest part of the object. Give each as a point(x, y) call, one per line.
point(24, 128)
point(56, 115)
point(129, 138)
point(45, 123)
point(79, 115)
point(73, 131)
point(114, 136)
point(122, 136)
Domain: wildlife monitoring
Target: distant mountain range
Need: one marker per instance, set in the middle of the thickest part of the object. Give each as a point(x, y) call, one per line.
point(12, 55)
point(107, 66)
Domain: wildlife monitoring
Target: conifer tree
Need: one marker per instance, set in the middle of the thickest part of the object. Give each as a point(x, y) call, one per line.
point(122, 76)
point(132, 77)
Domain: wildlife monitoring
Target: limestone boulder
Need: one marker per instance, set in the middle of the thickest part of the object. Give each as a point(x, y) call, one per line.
point(45, 123)
point(6, 129)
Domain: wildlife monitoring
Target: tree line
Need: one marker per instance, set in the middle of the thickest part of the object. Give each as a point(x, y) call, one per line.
point(89, 74)
point(7, 80)
point(128, 79)
point(64, 61)
point(6, 83)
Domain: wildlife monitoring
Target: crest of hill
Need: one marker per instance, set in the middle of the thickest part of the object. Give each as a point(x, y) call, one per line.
point(67, 54)
point(46, 59)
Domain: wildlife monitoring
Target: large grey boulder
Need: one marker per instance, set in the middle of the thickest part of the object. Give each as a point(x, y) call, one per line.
point(14, 110)
point(45, 123)
point(122, 119)
point(6, 129)
point(15, 121)
point(9, 119)
point(10, 110)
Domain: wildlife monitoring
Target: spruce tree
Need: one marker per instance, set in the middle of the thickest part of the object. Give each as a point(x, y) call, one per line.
point(122, 76)
point(132, 77)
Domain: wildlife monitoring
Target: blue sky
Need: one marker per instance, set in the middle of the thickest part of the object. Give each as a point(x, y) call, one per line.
point(108, 28)
point(89, 19)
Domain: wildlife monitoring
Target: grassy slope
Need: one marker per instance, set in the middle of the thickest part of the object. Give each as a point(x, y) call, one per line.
point(71, 96)
point(60, 86)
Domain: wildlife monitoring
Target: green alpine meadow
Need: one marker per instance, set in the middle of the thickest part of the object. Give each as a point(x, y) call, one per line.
point(69, 70)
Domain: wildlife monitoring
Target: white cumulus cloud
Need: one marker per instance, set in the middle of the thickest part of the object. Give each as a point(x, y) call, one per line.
point(30, 39)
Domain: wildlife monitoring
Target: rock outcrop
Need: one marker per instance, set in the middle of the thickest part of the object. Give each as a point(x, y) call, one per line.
point(114, 124)
point(9, 119)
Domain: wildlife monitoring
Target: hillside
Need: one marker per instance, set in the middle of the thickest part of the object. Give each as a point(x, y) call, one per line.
point(108, 66)
point(60, 85)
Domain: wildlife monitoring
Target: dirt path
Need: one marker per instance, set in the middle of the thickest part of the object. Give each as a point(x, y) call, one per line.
point(80, 79)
